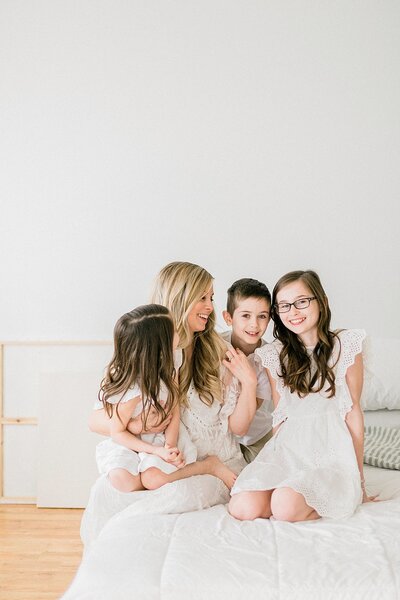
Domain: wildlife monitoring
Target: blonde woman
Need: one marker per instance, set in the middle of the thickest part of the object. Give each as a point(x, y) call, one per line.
point(217, 385)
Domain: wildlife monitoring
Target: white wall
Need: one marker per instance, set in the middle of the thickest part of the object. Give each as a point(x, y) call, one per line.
point(252, 137)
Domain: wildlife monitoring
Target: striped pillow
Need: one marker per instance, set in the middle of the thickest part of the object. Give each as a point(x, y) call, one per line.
point(382, 447)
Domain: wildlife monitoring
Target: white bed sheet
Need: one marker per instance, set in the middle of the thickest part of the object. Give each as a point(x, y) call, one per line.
point(208, 555)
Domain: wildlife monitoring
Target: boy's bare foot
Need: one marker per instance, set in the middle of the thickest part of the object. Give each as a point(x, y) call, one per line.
point(217, 468)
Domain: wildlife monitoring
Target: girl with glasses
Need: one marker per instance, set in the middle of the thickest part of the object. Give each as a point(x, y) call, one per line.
point(313, 465)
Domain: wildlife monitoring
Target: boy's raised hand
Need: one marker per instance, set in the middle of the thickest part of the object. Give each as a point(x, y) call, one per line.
point(237, 363)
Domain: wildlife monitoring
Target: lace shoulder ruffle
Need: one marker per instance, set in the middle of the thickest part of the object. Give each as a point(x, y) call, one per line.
point(231, 395)
point(268, 355)
point(281, 412)
point(351, 344)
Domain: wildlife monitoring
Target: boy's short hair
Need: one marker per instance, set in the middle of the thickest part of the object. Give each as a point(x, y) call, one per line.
point(246, 288)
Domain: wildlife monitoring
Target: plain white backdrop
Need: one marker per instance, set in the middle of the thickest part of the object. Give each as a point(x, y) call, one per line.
point(252, 137)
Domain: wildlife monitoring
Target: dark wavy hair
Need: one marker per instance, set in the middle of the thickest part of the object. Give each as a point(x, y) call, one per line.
point(295, 362)
point(143, 355)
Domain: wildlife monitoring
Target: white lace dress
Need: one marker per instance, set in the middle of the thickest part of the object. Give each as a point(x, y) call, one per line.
point(312, 452)
point(208, 427)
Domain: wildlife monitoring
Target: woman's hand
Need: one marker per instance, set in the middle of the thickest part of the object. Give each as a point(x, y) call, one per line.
point(135, 425)
point(237, 363)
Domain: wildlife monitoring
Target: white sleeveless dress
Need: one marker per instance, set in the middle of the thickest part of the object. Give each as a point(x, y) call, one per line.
point(207, 430)
point(312, 452)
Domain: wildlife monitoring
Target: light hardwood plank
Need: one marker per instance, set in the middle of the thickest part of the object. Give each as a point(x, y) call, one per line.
point(40, 550)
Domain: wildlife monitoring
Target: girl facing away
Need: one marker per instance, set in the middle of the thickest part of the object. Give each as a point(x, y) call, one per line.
point(140, 382)
point(313, 465)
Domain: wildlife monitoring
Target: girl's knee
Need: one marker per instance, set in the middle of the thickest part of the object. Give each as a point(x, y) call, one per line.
point(288, 505)
point(248, 506)
point(123, 481)
point(153, 478)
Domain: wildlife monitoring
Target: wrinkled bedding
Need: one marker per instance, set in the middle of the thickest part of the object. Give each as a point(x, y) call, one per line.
point(207, 554)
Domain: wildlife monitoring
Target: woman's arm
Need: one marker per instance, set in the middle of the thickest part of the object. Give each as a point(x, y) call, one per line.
point(355, 417)
point(242, 416)
point(120, 435)
point(99, 422)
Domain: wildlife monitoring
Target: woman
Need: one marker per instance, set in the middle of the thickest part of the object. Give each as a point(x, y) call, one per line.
point(216, 385)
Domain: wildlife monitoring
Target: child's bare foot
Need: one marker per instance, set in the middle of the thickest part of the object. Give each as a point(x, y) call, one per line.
point(217, 468)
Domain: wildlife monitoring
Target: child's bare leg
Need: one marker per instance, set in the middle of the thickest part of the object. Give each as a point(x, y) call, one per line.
point(123, 481)
point(153, 478)
point(288, 505)
point(247, 506)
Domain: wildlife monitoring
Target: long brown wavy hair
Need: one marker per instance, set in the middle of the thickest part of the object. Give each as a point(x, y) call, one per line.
point(179, 286)
point(143, 355)
point(295, 362)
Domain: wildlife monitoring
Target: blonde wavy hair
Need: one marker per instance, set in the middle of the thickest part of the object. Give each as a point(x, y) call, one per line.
point(179, 286)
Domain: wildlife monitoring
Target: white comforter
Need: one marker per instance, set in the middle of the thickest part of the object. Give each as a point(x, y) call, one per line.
point(208, 555)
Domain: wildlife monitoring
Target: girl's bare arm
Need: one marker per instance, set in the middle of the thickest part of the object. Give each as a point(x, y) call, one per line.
point(275, 397)
point(355, 418)
point(99, 422)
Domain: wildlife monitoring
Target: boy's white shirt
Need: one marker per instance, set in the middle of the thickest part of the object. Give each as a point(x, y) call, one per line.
point(262, 422)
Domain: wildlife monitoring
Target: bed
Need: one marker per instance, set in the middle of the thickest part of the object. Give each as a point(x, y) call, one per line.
point(206, 554)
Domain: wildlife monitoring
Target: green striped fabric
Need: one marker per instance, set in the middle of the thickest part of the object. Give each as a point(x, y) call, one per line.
point(382, 447)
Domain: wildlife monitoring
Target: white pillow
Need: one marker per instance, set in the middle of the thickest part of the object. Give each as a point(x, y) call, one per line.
point(381, 374)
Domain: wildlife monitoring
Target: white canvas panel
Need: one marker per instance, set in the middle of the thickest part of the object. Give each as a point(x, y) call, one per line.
point(20, 460)
point(24, 366)
point(66, 447)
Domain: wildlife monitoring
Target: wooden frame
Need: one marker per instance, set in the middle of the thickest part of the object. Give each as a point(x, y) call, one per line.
point(26, 420)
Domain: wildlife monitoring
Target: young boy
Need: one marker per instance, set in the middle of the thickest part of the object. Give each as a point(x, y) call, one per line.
point(248, 314)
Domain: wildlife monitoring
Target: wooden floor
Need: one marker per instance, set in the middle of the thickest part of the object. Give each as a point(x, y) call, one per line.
point(40, 550)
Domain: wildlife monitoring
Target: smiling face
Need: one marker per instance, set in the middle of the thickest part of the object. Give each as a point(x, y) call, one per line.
point(249, 322)
point(198, 315)
point(302, 322)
